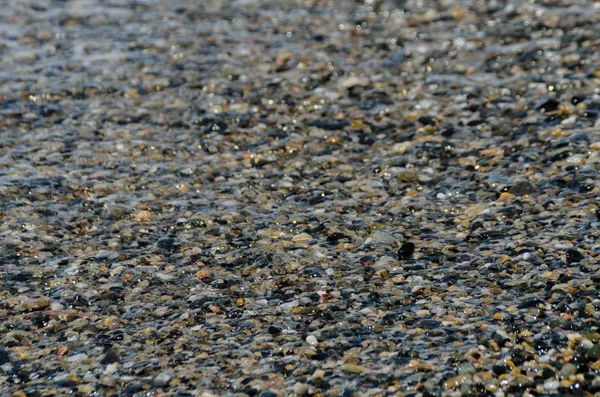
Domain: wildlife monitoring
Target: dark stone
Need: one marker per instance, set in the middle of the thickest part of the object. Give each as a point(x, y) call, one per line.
point(167, 244)
point(475, 122)
point(590, 115)
point(548, 106)
point(522, 188)
point(594, 352)
point(476, 225)
point(267, 393)
point(4, 356)
point(428, 324)
point(111, 356)
point(531, 302)
point(375, 297)
point(428, 120)
point(500, 369)
point(274, 330)
point(574, 256)
point(449, 131)
point(334, 237)
point(575, 389)
point(548, 373)
point(500, 340)
point(329, 124)
point(406, 250)
point(349, 393)
point(19, 276)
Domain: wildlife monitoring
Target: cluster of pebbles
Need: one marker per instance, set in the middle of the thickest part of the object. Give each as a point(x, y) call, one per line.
point(299, 197)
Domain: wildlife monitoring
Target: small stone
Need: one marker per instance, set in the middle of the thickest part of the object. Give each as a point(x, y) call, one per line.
point(355, 81)
point(274, 330)
point(531, 302)
point(506, 196)
point(77, 357)
point(408, 176)
point(143, 216)
point(594, 352)
point(381, 237)
point(311, 340)
point(406, 250)
point(167, 244)
point(353, 368)
point(111, 356)
point(567, 370)
point(458, 380)
point(203, 275)
point(62, 351)
point(162, 379)
point(574, 256)
point(29, 305)
point(551, 384)
point(301, 389)
point(548, 105)
point(302, 239)
point(267, 393)
point(428, 120)
point(522, 188)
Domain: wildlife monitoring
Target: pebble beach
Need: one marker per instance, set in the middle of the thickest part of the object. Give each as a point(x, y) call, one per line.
point(299, 198)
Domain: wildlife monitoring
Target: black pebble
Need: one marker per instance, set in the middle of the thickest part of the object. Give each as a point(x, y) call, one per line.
point(428, 120)
point(267, 393)
point(594, 353)
point(375, 297)
point(274, 330)
point(500, 369)
point(19, 276)
point(548, 106)
point(531, 302)
point(574, 256)
point(522, 188)
point(406, 250)
point(167, 244)
point(111, 356)
point(548, 373)
point(4, 356)
point(330, 124)
point(349, 393)
point(577, 99)
point(449, 131)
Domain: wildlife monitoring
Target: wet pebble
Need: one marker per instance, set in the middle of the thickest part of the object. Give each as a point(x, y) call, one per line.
point(574, 256)
point(522, 188)
point(406, 250)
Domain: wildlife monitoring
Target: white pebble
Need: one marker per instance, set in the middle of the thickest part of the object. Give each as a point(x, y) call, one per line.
point(526, 256)
point(77, 357)
point(551, 385)
point(311, 340)
point(162, 379)
point(544, 359)
point(289, 305)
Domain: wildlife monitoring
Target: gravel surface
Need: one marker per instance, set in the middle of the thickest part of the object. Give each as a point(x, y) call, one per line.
point(310, 198)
